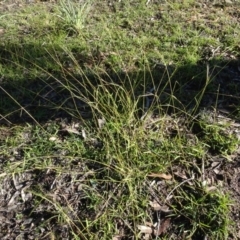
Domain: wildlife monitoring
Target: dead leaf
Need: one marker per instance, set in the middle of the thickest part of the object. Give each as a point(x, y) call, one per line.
point(157, 207)
point(3, 175)
point(117, 237)
point(75, 125)
point(13, 198)
point(70, 130)
point(215, 164)
point(145, 229)
point(25, 196)
point(217, 171)
point(84, 135)
point(101, 122)
point(149, 224)
point(165, 223)
point(181, 175)
point(160, 175)
point(211, 189)
point(52, 139)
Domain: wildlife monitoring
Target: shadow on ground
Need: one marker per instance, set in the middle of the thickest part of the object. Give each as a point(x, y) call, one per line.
point(47, 97)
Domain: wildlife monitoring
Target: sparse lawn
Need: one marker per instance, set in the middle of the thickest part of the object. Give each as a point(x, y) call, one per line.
point(119, 120)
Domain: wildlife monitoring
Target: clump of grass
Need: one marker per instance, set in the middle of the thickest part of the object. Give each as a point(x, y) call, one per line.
point(217, 134)
point(133, 146)
point(74, 15)
point(201, 213)
point(122, 148)
point(218, 140)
